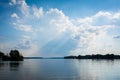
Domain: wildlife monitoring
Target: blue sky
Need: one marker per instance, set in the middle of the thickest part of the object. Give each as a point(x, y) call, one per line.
point(60, 27)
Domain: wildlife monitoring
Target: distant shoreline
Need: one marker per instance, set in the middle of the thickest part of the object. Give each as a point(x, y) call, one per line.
point(43, 58)
point(94, 56)
point(97, 57)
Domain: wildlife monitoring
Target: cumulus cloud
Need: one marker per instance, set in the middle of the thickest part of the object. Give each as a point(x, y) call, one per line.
point(14, 15)
point(13, 2)
point(24, 8)
point(25, 43)
point(48, 25)
point(101, 18)
point(22, 5)
point(27, 47)
point(92, 31)
point(22, 27)
point(38, 12)
point(59, 20)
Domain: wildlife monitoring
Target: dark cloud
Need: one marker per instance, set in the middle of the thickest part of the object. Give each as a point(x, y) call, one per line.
point(116, 37)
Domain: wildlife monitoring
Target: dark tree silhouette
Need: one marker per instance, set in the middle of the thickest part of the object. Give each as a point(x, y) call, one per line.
point(94, 56)
point(1, 54)
point(14, 55)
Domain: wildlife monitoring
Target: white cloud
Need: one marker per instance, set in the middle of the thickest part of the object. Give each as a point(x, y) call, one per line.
point(49, 25)
point(24, 8)
point(59, 20)
point(14, 15)
point(26, 28)
point(38, 12)
point(92, 30)
point(25, 43)
point(13, 2)
point(22, 27)
point(27, 47)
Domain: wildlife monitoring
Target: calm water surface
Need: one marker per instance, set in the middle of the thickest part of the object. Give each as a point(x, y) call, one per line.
point(60, 69)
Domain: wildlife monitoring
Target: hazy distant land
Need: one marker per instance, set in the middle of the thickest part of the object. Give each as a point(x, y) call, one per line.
point(94, 56)
point(15, 55)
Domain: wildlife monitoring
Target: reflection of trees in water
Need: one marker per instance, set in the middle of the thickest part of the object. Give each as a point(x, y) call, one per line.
point(1, 65)
point(12, 65)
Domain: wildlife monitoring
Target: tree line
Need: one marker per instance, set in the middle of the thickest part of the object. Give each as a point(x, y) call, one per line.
point(94, 56)
point(14, 55)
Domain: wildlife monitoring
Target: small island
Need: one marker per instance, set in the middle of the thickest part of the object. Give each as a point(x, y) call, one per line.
point(94, 56)
point(14, 55)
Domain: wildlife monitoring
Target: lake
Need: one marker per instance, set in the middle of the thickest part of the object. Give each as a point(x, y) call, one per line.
point(60, 69)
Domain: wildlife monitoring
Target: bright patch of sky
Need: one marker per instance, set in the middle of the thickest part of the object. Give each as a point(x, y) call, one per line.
point(60, 27)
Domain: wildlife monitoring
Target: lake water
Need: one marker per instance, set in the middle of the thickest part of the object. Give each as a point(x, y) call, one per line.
point(60, 69)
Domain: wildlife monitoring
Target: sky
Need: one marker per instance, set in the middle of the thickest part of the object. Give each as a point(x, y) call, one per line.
point(54, 28)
